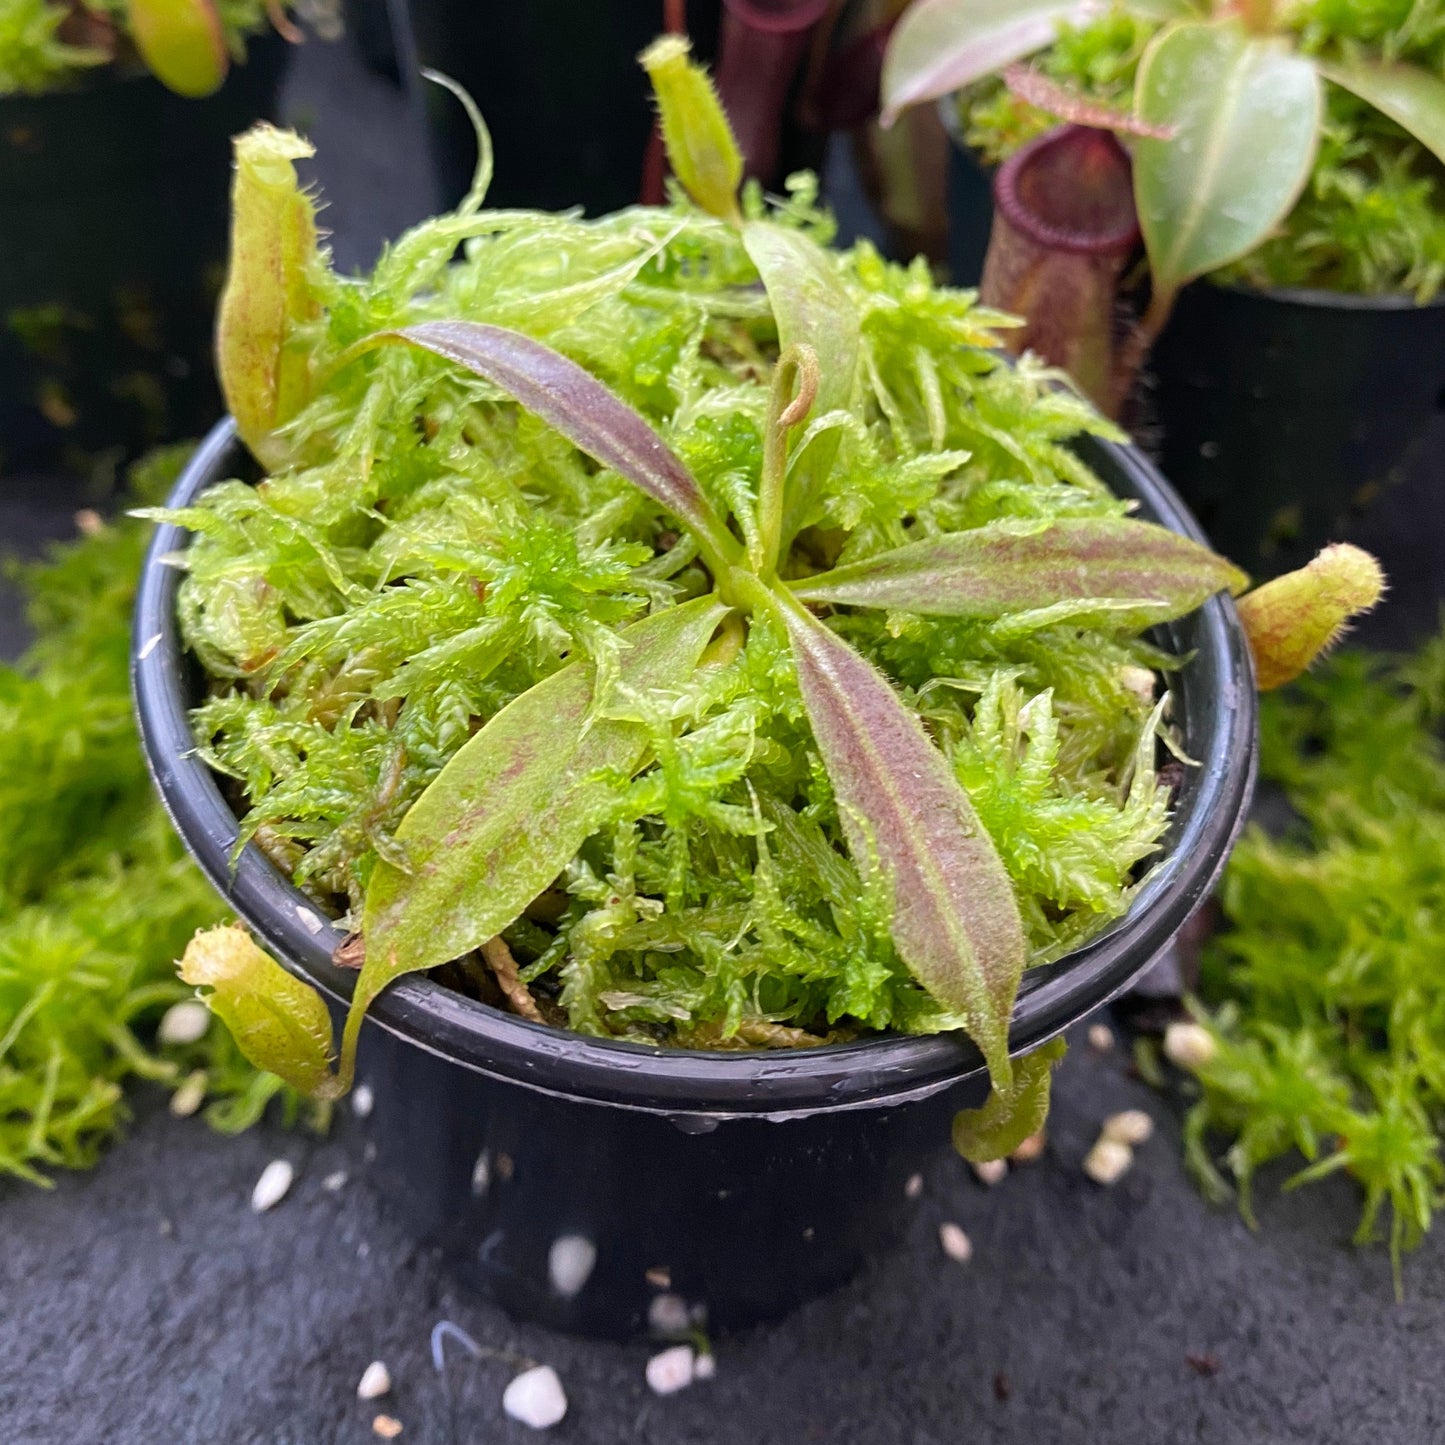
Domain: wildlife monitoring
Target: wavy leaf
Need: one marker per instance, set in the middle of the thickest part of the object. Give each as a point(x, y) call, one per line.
point(1246, 118)
point(1142, 573)
point(812, 308)
point(509, 811)
point(1412, 98)
point(940, 45)
point(594, 419)
point(956, 921)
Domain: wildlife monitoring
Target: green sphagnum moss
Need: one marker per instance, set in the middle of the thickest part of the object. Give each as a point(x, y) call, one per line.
point(97, 897)
point(1326, 981)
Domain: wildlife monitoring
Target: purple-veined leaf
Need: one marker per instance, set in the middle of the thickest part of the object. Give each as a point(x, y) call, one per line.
point(594, 419)
point(513, 806)
point(1139, 573)
point(956, 920)
point(812, 308)
point(1412, 98)
point(1035, 88)
point(940, 45)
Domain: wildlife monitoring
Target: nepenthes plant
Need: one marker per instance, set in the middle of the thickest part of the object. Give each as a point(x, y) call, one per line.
point(667, 626)
point(188, 45)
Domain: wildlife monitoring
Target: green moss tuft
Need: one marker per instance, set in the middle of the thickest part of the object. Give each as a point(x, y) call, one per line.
point(1326, 983)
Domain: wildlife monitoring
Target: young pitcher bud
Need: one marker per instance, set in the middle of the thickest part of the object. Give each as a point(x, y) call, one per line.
point(273, 248)
point(1293, 619)
point(182, 43)
point(699, 141)
point(278, 1022)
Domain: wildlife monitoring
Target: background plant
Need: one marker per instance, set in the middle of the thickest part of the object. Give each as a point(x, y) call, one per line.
point(1325, 983)
point(1324, 147)
point(187, 44)
point(97, 897)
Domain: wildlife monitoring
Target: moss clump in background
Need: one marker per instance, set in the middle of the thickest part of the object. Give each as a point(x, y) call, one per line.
point(1328, 980)
point(97, 898)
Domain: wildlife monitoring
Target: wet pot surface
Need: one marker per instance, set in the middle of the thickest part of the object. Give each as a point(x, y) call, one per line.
point(576, 1180)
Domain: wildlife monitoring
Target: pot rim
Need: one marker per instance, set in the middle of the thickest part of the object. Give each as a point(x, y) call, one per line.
point(710, 1085)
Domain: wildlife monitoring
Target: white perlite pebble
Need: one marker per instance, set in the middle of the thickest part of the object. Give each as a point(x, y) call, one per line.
point(1101, 1038)
point(334, 1182)
point(1108, 1161)
point(672, 1370)
point(363, 1101)
point(271, 1188)
point(1188, 1045)
point(1030, 1149)
point(1139, 681)
point(668, 1316)
point(375, 1382)
point(914, 1187)
point(569, 1264)
point(184, 1023)
point(956, 1244)
point(190, 1096)
point(991, 1171)
point(536, 1398)
point(1131, 1126)
point(704, 1367)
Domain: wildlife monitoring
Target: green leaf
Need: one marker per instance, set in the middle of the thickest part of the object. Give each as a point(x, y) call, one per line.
point(182, 42)
point(812, 308)
point(1246, 118)
point(699, 140)
point(512, 808)
point(1009, 1116)
point(942, 45)
point(1144, 573)
point(956, 921)
point(1412, 98)
point(591, 417)
point(279, 1022)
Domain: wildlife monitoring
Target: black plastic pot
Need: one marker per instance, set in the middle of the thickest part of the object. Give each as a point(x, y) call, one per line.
point(112, 251)
point(568, 106)
point(743, 1182)
point(1287, 417)
point(969, 204)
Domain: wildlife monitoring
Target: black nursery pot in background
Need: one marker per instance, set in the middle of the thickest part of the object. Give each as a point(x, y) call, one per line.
point(1291, 418)
point(575, 1180)
point(113, 246)
point(558, 83)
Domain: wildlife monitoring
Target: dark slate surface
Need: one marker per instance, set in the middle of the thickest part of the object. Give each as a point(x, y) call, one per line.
point(145, 1302)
